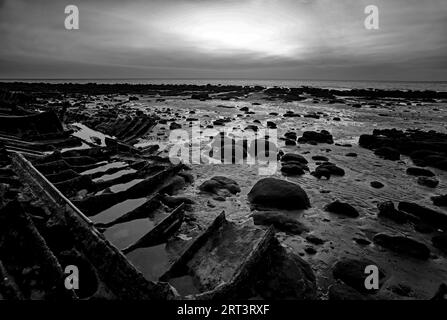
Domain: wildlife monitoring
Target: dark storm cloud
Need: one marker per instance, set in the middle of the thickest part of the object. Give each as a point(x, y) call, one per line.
point(313, 39)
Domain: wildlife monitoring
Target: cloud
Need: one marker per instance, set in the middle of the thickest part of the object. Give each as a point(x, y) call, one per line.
point(244, 38)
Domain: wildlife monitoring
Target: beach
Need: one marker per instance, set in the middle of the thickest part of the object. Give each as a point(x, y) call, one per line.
point(363, 202)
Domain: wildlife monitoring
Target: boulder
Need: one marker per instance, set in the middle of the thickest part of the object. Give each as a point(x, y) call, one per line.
point(351, 154)
point(221, 186)
point(403, 245)
point(420, 172)
point(292, 157)
point(441, 293)
point(315, 240)
point(342, 208)
point(376, 184)
point(174, 126)
point(283, 275)
point(352, 273)
point(328, 169)
point(341, 291)
point(440, 242)
point(292, 169)
point(290, 135)
point(314, 137)
point(252, 127)
point(276, 193)
point(428, 182)
point(440, 201)
point(280, 221)
point(388, 153)
point(387, 210)
point(271, 125)
point(424, 214)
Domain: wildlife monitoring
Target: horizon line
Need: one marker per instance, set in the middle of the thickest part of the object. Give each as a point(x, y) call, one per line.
point(224, 79)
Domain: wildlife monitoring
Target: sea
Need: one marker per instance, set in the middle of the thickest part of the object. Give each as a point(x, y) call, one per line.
point(326, 84)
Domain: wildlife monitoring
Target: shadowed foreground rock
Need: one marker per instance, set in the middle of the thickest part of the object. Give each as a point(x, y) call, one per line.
point(341, 291)
point(352, 273)
point(283, 275)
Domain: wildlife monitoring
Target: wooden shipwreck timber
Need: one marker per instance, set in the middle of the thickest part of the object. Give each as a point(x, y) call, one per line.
point(54, 232)
point(106, 206)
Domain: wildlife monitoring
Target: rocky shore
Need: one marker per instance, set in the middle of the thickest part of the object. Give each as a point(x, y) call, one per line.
point(359, 179)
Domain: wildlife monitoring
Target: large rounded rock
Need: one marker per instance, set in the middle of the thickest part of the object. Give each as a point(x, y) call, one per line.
point(276, 193)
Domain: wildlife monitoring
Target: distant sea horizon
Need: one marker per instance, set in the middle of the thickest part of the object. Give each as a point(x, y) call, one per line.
point(325, 84)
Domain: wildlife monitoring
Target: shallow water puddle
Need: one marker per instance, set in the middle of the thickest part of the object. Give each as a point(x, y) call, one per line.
point(105, 167)
point(87, 134)
point(83, 146)
point(152, 262)
point(123, 235)
point(118, 210)
point(184, 285)
point(115, 175)
point(125, 186)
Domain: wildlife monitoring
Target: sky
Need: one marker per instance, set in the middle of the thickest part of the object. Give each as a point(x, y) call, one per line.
point(224, 39)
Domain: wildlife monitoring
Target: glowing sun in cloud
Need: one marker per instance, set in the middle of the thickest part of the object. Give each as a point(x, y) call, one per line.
point(247, 29)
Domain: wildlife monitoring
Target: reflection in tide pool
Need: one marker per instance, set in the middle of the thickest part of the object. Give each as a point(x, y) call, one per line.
point(152, 262)
point(118, 210)
point(184, 285)
point(124, 186)
point(124, 234)
point(107, 177)
point(105, 167)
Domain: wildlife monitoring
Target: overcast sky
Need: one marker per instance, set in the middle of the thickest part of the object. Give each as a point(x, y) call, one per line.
point(232, 39)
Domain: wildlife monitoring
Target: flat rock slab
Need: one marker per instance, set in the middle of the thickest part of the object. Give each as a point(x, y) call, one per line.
point(219, 254)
